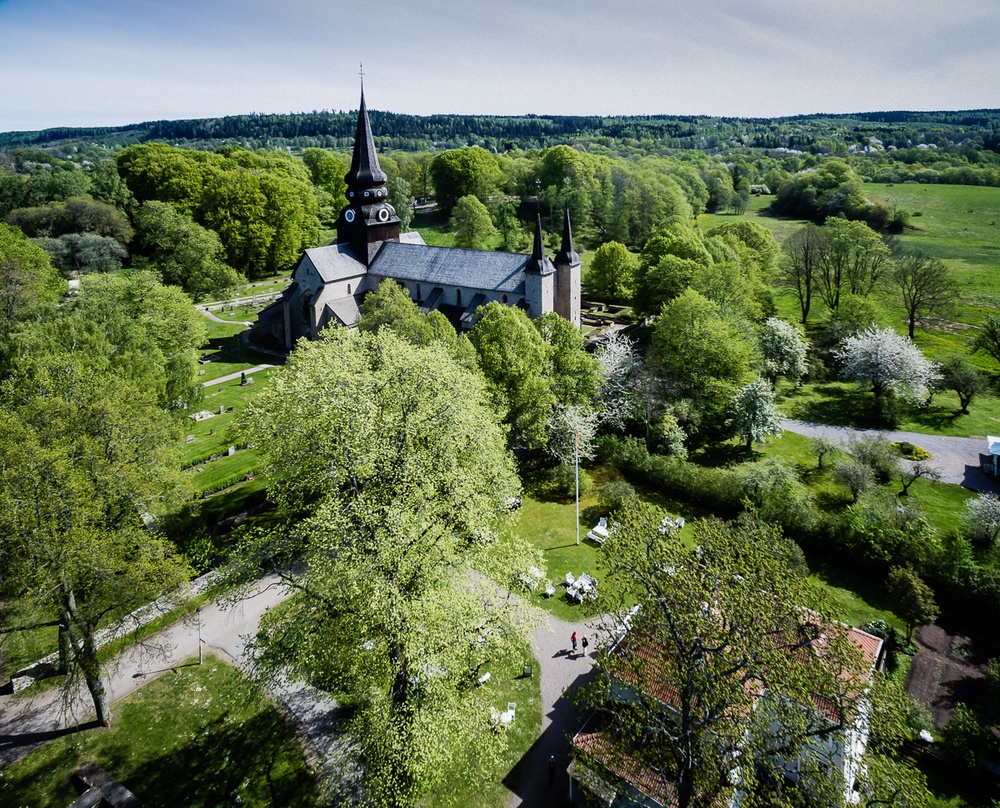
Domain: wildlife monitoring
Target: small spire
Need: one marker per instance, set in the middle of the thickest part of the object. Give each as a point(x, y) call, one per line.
point(538, 250)
point(567, 255)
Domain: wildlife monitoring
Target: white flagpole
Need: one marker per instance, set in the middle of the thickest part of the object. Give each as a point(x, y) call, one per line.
point(576, 457)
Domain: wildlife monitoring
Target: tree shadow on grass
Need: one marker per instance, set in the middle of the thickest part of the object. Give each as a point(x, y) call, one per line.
point(833, 404)
point(227, 762)
point(935, 417)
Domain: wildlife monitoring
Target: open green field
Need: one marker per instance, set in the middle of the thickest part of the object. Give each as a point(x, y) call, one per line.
point(197, 736)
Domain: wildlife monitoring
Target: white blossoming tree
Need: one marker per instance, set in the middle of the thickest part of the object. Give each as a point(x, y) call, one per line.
point(887, 362)
point(755, 415)
point(783, 350)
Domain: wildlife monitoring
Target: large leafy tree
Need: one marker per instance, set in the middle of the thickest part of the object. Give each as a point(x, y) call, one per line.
point(799, 268)
point(394, 454)
point(469, 171)
point(87, 458)
point(471, 223)
point(513, 357)
point(694, 344)
point(718, 662)
point(924, 286)
point(27, 277)
point(612, 273)
point(183, 252)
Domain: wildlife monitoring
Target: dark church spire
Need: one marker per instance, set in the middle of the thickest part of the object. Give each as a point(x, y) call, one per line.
point(539, 262)
point(567, 255)
point(369, 219)
point(365, 170)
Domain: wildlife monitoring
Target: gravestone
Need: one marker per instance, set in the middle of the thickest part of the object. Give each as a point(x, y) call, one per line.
point(201, 372)
point(232, 450)
point(243, 380)
point(190, 439)
point(211, 432)
point(222, 409)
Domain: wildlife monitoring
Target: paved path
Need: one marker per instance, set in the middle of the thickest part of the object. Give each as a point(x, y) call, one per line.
point(233, 376)
point(561, 670)
point(35, 716)
point(230, 320)
point(958, 459)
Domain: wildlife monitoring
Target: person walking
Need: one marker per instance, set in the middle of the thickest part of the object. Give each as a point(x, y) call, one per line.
point(573, 640)
point(584, 643)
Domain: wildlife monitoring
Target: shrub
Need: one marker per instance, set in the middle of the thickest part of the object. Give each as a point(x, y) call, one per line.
point(563, 481)
point(615, 495)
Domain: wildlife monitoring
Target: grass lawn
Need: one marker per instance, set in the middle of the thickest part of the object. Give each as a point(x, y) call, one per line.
point(507, 684)
point(196, 736)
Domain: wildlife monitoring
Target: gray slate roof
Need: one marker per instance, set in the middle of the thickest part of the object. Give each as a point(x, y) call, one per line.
point(336, 262)
point(451, 266)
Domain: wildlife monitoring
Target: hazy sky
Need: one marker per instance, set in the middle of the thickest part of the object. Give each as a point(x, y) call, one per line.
point(110, 62)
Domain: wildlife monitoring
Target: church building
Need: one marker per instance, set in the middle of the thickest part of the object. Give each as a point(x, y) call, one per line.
point(330, 282)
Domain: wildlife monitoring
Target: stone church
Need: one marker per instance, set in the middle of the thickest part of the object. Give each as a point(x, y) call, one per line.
point(330, 282)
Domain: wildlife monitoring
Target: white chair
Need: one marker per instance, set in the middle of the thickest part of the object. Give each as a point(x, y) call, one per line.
point(600, 533)
point(549, 589)
point(485, 678)
point(570, 580)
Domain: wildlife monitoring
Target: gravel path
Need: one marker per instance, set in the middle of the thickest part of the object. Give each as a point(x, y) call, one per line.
point(234, 376)
point(958, 459)
point(35, 716)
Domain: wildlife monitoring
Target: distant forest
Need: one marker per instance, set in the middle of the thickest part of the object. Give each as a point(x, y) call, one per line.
point(975, 130)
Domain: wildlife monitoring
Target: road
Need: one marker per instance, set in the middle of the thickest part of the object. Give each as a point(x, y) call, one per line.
point(956, 458)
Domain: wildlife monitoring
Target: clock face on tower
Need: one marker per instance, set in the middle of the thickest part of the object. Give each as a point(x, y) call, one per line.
point(383, 215)
point(349, 215)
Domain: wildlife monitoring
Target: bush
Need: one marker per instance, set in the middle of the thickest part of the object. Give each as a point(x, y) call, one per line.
point(912, 452)
point(876, 453)
point(615, 495)
point(563, 481)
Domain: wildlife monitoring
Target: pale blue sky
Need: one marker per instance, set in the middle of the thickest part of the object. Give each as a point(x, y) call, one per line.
point(111, 62)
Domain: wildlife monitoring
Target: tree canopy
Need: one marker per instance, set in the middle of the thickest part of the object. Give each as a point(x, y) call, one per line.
point(395, 455)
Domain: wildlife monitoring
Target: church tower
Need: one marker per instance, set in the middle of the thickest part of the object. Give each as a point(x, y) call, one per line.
point(539, 277)
point(368, 219)
point(567, 302)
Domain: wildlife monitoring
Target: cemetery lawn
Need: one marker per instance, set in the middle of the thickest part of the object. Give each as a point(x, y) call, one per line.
point(196, 736)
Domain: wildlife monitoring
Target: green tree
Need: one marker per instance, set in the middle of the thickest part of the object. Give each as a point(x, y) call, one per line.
point(612, 272)
point(86, 458)
point(471, 224)
point(987, 338)
point(575, 374)
point(183, 252)
point(79, 214)
point(470, 171)
point(82, 253)
point(513, 357)
point(327, 170)
point(715, 614)
point(855, 260)
point(395, 455)
point(912, 600)
point(693, 343)
point(27, 278)
point(401, 199)
point(924, 286)
point(960, 375)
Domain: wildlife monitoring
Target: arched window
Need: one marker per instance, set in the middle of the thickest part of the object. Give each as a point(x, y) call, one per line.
point(505, 299)
point(348, 288)
point(458, 297)
point(418, 292)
